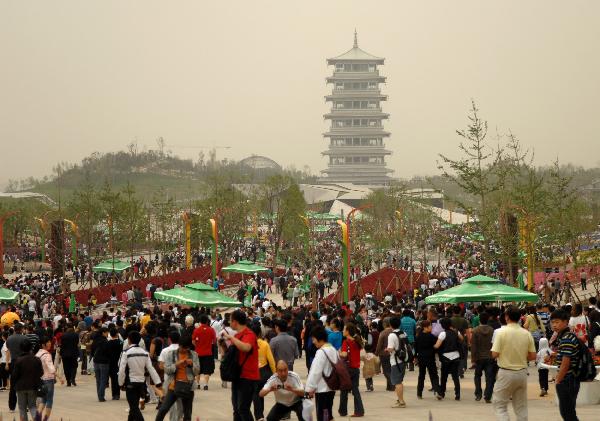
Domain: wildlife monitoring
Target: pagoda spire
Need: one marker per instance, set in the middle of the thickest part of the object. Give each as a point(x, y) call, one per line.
point(355, 39)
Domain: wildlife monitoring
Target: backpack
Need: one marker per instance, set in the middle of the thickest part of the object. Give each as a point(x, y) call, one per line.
point(404, 353)
point(230, 367)
point(339, 379)
point(586, 370)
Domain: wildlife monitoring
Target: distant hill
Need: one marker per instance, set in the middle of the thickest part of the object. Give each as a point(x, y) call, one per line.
point(148, 171)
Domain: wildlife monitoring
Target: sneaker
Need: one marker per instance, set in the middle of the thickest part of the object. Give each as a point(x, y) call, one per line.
point(142, 405)
point(488, 401)
point(478, 398)
point(419, 396)
point(543, 393)
point(399, 405)
point(440, 397)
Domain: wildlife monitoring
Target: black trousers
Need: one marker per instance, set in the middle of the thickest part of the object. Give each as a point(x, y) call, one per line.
point(113, 374)
point(258, 402)
point(134, 392)
point(488, 368)
point(70, 367)
point(543, 378)
point(170, 400)
point(358, 405)
point(450, 367)
point(429, 366)
point(567, 392)
point(279, 411)
point(12, 392)
point(324, 404)
point(242, 391)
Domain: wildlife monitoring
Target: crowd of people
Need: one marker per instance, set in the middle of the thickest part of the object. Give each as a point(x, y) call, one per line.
point(163, 355)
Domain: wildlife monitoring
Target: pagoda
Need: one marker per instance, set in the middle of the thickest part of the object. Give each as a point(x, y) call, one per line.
point(356, 136)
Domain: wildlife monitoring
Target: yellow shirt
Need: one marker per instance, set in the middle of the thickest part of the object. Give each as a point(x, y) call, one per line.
point(513, 343)
point(9, 318)
point(144, 320)
point(265, 356)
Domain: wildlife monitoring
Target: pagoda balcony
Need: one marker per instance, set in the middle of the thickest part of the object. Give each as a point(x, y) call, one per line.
point(356, 131)
point(356, 150)
point(366, 77)
point(361, 74)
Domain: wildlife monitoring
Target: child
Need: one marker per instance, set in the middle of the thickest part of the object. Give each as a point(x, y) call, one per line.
point(370, 368)
point(543, 352)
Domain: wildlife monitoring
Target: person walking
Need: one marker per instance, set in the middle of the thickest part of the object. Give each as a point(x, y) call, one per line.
point(134, 363)
point(425, 359)
point(321, 367)
point(350, 351)
point(181, 367)
point(27, 377)
point(513, 347)
point(13, 346)
point(399, 351)
point(543, 352)
point(567, 359)
point(481, 356)
point(449, 343)
point(284, 346)
point(114, 348)
point(203, 338)
point(69, 352)
point(45, 403)
point(266, 368)
point(101, 362)
point(383, 354)
point(242, 390)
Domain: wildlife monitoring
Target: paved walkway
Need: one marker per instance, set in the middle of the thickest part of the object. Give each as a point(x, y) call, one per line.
point(80, 403)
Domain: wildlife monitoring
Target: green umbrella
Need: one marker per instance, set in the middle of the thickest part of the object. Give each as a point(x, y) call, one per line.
point(8, 295)
point(480, 288)
point(108, 266)
point(245, 266)
point(197, 295)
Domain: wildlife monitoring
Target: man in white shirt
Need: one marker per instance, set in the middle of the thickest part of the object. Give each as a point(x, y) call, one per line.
point(288, 390)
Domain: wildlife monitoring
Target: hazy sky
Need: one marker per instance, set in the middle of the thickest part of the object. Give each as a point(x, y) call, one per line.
point(78, 77)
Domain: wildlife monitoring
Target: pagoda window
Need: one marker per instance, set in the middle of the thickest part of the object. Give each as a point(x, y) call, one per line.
point(339, 85)
point(356, 141)
point(372, 68)
point(339, 67)
point(372, 105)
point(374, 123)
point(348, 160)
point(347, 67)
point(360, 67)
point(372, 85)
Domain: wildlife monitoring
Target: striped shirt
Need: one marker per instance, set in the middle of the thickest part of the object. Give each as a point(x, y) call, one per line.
point(568, 346)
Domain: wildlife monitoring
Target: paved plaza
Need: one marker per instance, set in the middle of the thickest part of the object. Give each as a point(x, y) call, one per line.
point(80, 403)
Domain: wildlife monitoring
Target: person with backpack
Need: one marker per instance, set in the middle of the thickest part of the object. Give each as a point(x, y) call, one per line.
point(321, 371)
point(567, 358)
point(400, 354)
point(350, 351)
point(243, 361)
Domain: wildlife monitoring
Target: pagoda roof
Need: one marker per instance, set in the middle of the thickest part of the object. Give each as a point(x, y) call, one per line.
point(356, 54)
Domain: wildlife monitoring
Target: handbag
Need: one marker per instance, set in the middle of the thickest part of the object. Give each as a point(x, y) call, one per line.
point(42, 390)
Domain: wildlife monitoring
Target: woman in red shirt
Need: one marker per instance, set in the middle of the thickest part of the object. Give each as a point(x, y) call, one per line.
point(350, 350)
